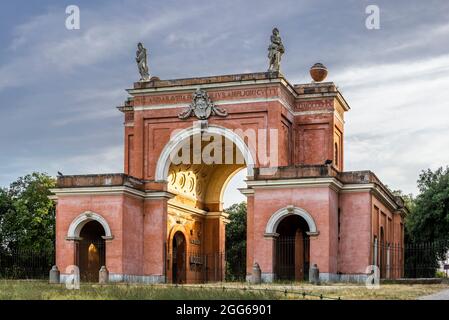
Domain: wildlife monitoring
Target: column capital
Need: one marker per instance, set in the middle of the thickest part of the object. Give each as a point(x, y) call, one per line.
point(271, 235)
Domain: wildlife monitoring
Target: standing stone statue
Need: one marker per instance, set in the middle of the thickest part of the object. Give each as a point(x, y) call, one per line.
point(275, 51)
point(141, 59)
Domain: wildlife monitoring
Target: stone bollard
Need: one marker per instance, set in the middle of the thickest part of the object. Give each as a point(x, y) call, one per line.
point(103, 275)
point(256, 277)
point(314, 275)
point(54, 277)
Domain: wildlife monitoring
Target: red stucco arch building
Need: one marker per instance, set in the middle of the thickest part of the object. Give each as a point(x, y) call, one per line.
point(157, 209)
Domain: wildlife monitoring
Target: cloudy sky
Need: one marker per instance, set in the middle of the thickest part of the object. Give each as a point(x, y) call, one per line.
point(59, 88)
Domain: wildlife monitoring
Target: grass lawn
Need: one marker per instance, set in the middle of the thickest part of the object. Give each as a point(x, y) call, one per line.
point(41, 290)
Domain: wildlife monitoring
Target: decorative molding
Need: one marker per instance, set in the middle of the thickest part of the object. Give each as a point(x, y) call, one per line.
point(186, 209)
point(271, 235)
point(134, 92)
point(81, 191)
point(219, 103)
point(241, 101)
point(374, 189)
point(202, 107)
point(246, 191)
point(112, 191)
point(311, 112)
point(73, 238)
point(163, 163)
point(217, 214)
point(282, 213)
point(333, 183)
point(78, 223)
point(159, 195)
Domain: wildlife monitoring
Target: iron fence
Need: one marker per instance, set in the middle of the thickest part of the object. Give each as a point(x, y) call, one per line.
point(25, 263)
point(412, 260)
point(197, 267)
point(292, 258)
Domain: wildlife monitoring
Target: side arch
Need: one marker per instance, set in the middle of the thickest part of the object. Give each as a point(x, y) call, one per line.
point(176, 228)
point(79, 222)
point(277, 217)
point(163, 163)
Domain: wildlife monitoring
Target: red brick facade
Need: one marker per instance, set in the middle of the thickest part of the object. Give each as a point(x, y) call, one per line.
point(157, 208)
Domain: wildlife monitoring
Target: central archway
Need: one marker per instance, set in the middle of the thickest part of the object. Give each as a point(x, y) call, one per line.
point(197, 206)
point(180, 138)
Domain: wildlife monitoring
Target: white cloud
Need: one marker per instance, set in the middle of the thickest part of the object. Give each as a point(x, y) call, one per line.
point(65, 84)
point(398, 124)
point(232, 194)
point(42, 46)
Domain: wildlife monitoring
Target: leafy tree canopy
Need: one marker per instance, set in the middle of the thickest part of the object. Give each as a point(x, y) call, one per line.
point(27, 215)
point(429, 217)
point(236, 241)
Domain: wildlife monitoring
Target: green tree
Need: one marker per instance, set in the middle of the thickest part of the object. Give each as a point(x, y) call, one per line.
point(409, 200)
point(27, 215)
point(429, 218)
point(236, 242)
point(427, 225)
point(6, 208)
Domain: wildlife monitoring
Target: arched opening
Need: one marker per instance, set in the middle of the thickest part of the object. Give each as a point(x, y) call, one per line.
point(198, 166)
point(292, 249)
point(91, 253)
point(179, 258)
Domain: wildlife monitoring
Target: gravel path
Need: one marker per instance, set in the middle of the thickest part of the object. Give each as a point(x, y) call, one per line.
point(442, 295)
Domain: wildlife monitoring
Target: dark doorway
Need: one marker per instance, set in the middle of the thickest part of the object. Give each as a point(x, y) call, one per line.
point(292, 249)
point(91, 251)
point(179, 258)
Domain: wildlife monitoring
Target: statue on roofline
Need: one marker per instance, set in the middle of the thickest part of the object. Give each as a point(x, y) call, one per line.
point(141, 59)
point(275, 51)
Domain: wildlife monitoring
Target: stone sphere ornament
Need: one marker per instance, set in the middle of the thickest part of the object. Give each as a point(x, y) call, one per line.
point(318, 72)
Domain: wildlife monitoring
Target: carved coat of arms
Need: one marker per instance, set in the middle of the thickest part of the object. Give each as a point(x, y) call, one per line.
point(202, 107)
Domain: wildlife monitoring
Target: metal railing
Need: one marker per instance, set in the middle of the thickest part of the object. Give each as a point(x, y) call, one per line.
point(25, 263)
point(197, 267)
point(412, 260)
point(284, 291)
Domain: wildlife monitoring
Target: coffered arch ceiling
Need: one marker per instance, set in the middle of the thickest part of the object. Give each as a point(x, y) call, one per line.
point(202, 185)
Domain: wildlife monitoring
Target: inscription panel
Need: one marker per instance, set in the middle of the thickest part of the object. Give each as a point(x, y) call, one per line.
point(179, 98)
